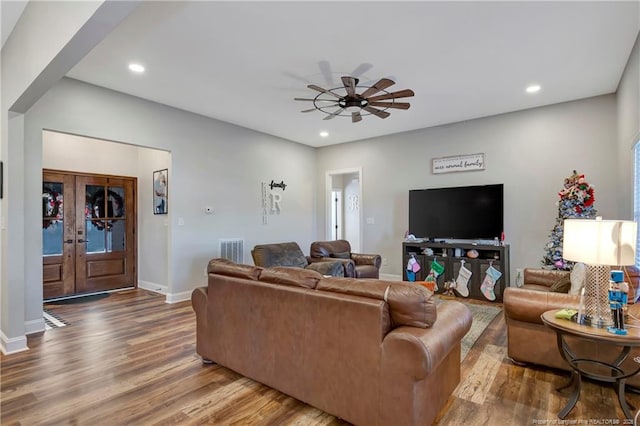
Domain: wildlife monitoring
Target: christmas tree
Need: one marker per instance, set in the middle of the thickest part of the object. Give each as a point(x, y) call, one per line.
point(576, 201)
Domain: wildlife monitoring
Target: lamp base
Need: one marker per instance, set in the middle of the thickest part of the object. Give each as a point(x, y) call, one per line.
point(597, 311)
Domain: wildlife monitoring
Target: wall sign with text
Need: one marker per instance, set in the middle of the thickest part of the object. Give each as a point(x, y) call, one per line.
point(458, 163)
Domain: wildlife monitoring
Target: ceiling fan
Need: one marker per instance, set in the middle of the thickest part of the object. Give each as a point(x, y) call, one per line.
point(352, 103)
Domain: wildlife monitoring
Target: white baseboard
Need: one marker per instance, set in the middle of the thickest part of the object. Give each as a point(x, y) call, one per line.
point(178, 297)
point(157, 288)
point(13, 345)
point(163, 289)
point(391, 277)
point(34, 326)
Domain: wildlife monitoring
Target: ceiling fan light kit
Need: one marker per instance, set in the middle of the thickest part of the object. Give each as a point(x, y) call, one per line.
point(352, 104)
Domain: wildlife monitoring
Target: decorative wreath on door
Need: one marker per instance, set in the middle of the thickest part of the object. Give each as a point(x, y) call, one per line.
point(114, 204)
point(51, 207)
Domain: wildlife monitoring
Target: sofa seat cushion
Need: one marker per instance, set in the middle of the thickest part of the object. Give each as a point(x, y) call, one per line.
point(288, 275)
point(409, 304)
point(536, 287)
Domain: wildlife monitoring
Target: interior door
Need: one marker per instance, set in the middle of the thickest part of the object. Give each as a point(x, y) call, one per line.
point(58, 240)
point(92, 246)
point(104, 234)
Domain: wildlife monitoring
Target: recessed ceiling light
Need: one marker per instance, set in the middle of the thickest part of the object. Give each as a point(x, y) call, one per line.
point(533, 88)
point(324, 134)
point(136, 68)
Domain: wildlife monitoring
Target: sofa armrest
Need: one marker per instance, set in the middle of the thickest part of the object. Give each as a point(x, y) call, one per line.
point(367, 259)
point(542, 277)
point(527, 305)
point(416, 352)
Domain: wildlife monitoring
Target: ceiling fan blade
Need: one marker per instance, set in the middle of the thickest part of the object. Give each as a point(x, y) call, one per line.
point(381, 84)
point(395, 95)
point(399, 105)
point(333, 114)
point(308, 110)
point(361, 69)
point(350, 84)
point(325, 69)
point(376, 112)
point(321, 90)
point(311, 99)
point(355, 117)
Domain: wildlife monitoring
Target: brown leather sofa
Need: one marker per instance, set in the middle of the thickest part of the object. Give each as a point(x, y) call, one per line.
point(356, 265)
point(368, 351)
point(290, 254)
point(529, 341)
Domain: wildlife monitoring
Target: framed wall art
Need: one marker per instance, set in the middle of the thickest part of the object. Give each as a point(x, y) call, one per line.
point(161, 191)
point(458, 163)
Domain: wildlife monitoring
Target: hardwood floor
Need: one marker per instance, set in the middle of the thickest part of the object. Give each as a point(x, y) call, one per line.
point(130, 359)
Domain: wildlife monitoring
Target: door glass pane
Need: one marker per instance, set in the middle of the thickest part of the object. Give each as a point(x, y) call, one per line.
point(116, 236)
point(52, 235)
point(52, 218)
point(95, 236)
point(95, 202)
point(115, 201)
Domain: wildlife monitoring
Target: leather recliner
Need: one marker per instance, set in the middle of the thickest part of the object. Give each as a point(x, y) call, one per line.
point(356, 265)
point(290, 254)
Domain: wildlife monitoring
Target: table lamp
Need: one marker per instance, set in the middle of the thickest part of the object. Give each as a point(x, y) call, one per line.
point(599, 244)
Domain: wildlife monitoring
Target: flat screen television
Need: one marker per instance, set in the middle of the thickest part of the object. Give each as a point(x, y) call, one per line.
point(466, 212)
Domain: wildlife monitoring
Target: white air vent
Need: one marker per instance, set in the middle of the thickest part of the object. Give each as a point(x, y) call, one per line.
point(232, 249)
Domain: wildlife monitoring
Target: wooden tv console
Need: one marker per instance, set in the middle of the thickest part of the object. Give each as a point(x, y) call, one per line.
point(445, 254)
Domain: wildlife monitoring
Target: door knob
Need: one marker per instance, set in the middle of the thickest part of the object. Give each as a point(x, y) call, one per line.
point(68, 241)
point(80, 240)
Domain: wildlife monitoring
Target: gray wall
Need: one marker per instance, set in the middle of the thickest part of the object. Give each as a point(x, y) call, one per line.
point(62, 151)
point(212, 164)
point(530, 152)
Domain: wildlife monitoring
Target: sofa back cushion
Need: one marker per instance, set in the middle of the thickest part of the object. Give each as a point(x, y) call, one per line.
point(543, 277)
point(231, 269)
point(291, 276)
point(409, 304)
point(327, 248)
point(279, 254)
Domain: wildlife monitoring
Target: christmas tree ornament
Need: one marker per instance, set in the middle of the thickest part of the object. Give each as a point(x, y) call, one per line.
point(576, 202)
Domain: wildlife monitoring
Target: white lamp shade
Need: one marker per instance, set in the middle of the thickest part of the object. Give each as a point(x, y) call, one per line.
point(600, 242)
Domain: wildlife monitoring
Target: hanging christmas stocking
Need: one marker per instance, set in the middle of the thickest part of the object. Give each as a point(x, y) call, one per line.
point(432, 277)
point(412, 267)
point(462, 282)
point(489, 282)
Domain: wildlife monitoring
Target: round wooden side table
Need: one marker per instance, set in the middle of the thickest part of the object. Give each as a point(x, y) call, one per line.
point(580, 366)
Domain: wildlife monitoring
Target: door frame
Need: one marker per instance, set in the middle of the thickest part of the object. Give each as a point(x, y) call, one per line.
point(328, 189)
point(133, 220)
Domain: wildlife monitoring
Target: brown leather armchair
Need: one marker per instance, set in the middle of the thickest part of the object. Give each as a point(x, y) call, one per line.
point(290, 254)
point(356, 265)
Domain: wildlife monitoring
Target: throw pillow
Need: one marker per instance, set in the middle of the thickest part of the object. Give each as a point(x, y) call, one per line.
point(341, 255)
point(563, 285)
point(578, 276)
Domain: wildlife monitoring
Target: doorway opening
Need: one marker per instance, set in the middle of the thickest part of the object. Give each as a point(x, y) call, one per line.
point(88, 233)
point(344, 206)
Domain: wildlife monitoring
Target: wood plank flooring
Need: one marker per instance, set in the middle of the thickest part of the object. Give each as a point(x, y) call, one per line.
point(130, 359)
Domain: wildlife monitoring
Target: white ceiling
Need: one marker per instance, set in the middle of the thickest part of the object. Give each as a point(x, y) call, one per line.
point(244, 62)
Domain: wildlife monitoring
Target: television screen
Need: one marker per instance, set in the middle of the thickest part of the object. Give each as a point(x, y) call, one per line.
point(468, 212)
